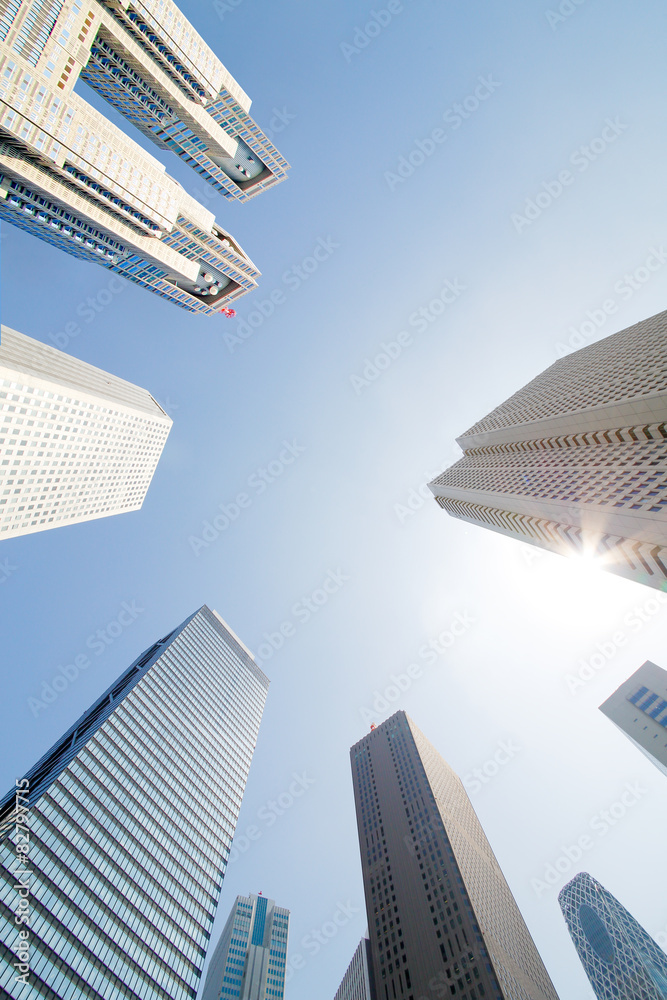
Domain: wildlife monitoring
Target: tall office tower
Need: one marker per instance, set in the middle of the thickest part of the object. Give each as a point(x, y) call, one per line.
point(639, 709)
point(76, 443)
point(71, 177)
point(249, 959)
point(575, 462)
point(621, 961)
point(131, 817)
point(357, 983)
point(441, 916)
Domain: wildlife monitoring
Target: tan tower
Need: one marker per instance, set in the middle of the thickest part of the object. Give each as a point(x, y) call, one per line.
point(576, 461)
point(442, 919)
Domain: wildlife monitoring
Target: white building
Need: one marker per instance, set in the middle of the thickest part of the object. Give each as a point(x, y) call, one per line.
point(249, 960)
point(576, 461)
point(357, 983)
point(76, 443)
point(71, 177)
point(639, 709)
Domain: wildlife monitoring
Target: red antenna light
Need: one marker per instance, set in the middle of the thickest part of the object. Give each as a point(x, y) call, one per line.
point(228, 312)
point(372, 725)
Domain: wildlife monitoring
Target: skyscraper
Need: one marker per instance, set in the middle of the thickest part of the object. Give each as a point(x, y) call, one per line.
point(71, 177)
point(249, 959)
point(131, 817)
point(639, 709)
point(77, 443)
point(357, 983)
point(441, 917)
point(575, 462)
point(621, 961)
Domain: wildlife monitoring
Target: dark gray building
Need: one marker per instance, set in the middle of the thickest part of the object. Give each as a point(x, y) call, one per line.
point(129, 820)
point(639, 709)
point(442, 919)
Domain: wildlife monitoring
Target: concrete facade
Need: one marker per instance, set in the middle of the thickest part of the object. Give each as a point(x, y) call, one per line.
point(639, 709)
point(576, 461)
point(77, 443)
point(71, 177)
point(358, 983)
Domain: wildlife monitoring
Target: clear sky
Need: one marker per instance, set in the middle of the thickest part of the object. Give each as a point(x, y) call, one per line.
point(581, 92)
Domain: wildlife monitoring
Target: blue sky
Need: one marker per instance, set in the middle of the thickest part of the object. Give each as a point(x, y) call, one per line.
point(361, 449)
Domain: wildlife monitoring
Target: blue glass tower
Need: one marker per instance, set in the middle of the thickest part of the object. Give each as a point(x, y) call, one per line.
point(621, 961)
point(249, 960)
point(115, 844)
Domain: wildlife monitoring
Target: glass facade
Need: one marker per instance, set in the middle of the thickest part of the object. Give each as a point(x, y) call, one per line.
point(249, 960)
point(131, 817)
point(442, 919)
point(621, 961)
point(651, 704)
